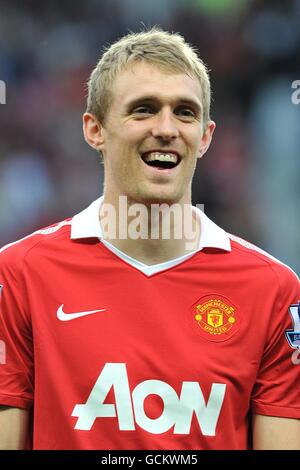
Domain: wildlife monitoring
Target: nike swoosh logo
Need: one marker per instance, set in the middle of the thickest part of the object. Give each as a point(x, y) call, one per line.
point(61, 315)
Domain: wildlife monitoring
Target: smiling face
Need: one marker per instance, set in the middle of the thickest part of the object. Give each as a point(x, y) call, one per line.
point(152, 135)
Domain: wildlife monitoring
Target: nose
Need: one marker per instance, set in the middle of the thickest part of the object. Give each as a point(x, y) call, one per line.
point(165, 127)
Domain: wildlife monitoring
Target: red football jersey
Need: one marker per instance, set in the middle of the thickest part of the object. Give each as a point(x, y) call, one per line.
point(110, 356)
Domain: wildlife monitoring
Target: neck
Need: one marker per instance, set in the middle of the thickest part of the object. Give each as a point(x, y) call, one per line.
point(150, 233)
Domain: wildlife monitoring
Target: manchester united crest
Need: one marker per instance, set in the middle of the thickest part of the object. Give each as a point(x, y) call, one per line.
point(216, 317)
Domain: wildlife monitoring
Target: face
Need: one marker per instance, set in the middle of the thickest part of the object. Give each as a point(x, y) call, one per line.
point(152, 135)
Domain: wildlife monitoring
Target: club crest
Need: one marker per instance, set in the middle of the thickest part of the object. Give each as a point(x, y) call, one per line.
point(216, 317)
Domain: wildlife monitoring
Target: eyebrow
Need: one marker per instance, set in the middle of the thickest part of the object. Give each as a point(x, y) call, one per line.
point(180, 100)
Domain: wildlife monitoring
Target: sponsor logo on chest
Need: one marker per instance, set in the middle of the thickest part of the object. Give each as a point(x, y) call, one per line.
point(129, 409)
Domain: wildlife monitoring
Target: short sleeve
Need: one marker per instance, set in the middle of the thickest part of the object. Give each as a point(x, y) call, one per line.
point(16, 349)
point(277, 388)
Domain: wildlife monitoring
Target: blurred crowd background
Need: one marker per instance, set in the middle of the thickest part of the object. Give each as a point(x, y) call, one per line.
point(249, 180)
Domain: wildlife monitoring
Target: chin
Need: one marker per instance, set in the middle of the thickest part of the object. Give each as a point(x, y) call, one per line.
point(162, 198)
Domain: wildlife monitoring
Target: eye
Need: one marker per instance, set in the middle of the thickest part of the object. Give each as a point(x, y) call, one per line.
point(185, 112)
point(143, 110)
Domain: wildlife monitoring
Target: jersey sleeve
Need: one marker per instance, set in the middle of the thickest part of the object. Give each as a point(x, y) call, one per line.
point(16, 349)
point(277, 388)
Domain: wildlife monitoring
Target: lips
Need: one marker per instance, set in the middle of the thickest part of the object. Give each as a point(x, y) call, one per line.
point(161, 159)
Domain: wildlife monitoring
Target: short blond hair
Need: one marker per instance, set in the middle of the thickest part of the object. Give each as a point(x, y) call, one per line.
point(168, 51)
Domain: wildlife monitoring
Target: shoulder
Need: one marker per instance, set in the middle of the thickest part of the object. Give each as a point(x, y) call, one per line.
point(14, 253)
point(265, 263)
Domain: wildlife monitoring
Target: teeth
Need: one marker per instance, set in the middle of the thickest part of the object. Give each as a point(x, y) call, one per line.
point(161, 157)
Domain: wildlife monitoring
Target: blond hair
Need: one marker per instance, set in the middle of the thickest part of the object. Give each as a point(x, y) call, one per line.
point(168, 51)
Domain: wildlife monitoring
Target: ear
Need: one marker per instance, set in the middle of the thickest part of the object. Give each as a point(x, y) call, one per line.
point(206, 138)
point(93, 131)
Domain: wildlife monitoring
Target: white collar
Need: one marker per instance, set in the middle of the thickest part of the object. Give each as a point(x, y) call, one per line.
point(86, 224)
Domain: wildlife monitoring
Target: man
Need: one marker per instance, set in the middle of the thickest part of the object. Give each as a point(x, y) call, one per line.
point(120, 332)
